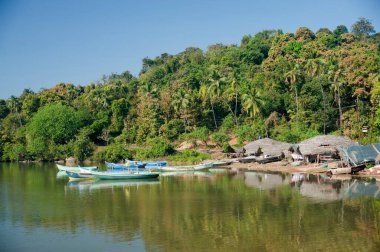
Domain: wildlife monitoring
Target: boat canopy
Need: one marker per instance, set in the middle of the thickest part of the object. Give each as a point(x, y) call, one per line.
point(360, 154)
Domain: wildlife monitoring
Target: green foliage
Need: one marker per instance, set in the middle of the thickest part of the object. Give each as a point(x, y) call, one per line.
point(324, 82)
point(83, 147)
point(201, 134)
point(159, 147)
point(220, 138)
point(245, 133)
point(172, 129)
point(58, 123)
point(113, 153)
point(189, 156)
point(362, 28)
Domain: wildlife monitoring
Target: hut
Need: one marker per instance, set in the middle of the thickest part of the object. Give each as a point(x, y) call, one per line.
point(319, 148)
point(267, 146)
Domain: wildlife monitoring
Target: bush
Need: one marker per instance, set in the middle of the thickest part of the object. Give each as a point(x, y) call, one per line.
point(220, 138)
point(198, 134)
point(83, 147)
point(228, 123)
point(244, 133)
point(13, 152)
point(159, 147)
point(172, 129)
point(190, 156)
point(113, 153)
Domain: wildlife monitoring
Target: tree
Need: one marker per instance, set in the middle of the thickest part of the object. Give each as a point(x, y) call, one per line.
point(362, 28)
point(252, 102)
point(337, 78)
point(4, 110)
point(340, 29)
point(314, 67)
point(292, 78)
point(181, 101)
point(51, 125)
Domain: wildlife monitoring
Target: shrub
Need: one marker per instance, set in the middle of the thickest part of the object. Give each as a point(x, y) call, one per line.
point(220, 138)
point(113, 153)
point(190, 156)
point(198, 134)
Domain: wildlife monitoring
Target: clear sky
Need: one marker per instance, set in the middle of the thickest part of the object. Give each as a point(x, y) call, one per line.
point(45, 42)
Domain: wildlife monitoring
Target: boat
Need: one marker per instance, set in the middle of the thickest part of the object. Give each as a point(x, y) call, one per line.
point(157, 164)
point(188, 167)
point(129, 164)
point(75, 169)
point(339, 170)
point(268, 159)
point(125, 174)
point(221, 163)
point(249, 159)
point(82, 175)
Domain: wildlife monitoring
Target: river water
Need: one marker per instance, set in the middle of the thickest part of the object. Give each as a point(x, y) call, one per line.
point(201, 211)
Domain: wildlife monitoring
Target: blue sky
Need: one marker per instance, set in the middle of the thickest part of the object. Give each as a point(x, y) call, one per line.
point(45, 42)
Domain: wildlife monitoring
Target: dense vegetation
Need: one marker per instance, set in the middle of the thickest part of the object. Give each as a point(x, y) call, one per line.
point(285, 86)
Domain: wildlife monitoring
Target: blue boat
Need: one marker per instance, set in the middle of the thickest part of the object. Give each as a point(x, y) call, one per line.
point(127, 165)
point(82, 175)
point(157, 165)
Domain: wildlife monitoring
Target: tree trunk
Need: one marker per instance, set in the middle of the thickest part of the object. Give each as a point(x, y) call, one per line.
point(236, 100)
point(213, 113)
point(324, 110)
point(340, 111)
point(295, 89)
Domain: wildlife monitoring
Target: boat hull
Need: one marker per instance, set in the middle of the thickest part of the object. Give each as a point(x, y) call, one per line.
point(124, 175)
point(79, 176)
point(188, 168)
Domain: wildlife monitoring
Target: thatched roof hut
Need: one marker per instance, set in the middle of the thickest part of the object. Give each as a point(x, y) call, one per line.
point(324, 144)
point(267, 146)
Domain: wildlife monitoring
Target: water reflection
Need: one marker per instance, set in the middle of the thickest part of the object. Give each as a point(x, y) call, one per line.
point(241, 211)
point(317, 187)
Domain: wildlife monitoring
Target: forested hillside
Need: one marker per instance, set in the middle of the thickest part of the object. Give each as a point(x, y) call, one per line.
point(282, 85)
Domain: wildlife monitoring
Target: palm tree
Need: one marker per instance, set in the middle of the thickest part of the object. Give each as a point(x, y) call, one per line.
point(252, 102)
point(181, 101)
point(212, 92)
point(292, 78)
point(337, 78)
point(314, 67)
point(231, 94)
point(14, 107)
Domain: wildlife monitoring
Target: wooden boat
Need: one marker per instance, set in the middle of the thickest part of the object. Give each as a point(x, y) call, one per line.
point(82, 175)
point(155, 165)
point(125, 174)
point(75, 169)
point(127, 165)
point(249, 159)
point(336, 170)
point(221, 163)
point(269, 159)
point(188, 168)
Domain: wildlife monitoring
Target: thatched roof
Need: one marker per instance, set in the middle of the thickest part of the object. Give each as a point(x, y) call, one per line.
point(268, 147)
point(324, 144)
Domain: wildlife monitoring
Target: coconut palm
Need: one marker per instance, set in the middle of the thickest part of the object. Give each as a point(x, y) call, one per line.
point(13, 104)
point(292, 78)
point(314, 67)
point(337, 78)
point(181, 101)
point(252, 102)
point(231, 94)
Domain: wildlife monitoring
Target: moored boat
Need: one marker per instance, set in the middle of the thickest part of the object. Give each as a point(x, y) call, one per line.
point(124, 174)
point(157, 164)
point(128, 165)
point(81, 175)
point(249, 159)
point(75, 169)
point(188, 167)
point(221, 163)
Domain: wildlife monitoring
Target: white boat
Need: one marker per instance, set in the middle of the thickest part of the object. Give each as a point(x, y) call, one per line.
point(75, 169)
point(188, 167)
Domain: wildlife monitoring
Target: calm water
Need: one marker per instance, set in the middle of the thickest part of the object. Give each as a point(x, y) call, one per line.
point(214, 211)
